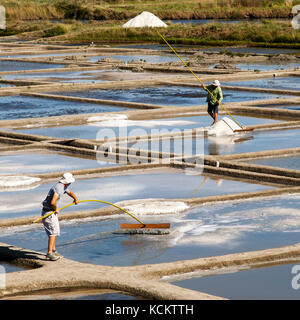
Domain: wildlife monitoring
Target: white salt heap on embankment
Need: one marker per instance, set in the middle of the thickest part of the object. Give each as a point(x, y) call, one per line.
point(153, 206)
point(145, 19)
point(17, 182)
point(223, 127)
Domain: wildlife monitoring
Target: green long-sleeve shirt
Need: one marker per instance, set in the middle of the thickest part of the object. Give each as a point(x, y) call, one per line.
point(215, 94)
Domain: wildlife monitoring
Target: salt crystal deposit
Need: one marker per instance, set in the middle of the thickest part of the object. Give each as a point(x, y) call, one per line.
point(225, 126)
point(145, 19)
point(111, 117)
point(17, 183)
point(153, 206)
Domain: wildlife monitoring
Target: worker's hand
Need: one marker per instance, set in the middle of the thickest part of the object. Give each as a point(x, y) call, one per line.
point(76, 201)
point(56, 211)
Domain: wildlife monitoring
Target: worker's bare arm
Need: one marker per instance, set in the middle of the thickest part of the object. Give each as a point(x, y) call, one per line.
point(54, 202)
point(72, 195)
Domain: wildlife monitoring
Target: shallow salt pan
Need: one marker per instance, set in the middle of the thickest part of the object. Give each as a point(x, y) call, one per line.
point(282, 162)
point(167, 95)
point(155, 184)
point(117, 126)
point(199, 232)
point(39, 161)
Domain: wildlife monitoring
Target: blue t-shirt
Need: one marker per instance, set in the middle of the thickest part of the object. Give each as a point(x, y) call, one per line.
point(59, 188)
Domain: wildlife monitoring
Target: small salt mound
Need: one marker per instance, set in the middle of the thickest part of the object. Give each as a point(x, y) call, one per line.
point(111, 117)
point(223, 127)
point(145, 19)
point(17, 182)
point(153, 206)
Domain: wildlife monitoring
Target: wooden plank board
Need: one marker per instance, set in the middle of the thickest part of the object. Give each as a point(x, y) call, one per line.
point(145, 226)
point(242, 130)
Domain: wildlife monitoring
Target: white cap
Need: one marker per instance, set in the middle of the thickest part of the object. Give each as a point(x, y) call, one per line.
point(216, 83)
point(67, 178)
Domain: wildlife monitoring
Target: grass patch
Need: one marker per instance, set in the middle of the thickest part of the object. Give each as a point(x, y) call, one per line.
point(124, 9)
point(54, 31)
point(264, 34)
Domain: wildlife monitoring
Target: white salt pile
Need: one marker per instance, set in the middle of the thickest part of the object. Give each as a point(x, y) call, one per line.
point(145, 19)
point(105, 118)
point(153, 206)
point(223, 127)
point(17, 182)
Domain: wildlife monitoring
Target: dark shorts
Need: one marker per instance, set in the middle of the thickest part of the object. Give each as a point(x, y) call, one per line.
point(214, 108)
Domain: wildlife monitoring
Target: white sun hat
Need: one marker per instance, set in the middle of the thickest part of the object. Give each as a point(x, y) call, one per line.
point(216, 83)
point(67, 178)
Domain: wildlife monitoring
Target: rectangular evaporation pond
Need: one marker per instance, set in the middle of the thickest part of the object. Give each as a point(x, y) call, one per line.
point(144, 58)
point(290, 106)
point(170, 184)
point(222, 145)
point(284, 83)
point(16, 107)
point(204, 231)
point(257, 141)
point(268, 283)
point(267, 66)
point(292, 163)
point(22, 65)
point(252, 50)
point(235, 49)
point(50, 54)
point(168, 95)
point(75, 76)
point(119, 127)
point(39, 161)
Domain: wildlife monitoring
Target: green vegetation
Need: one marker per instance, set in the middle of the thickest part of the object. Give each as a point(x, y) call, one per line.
point(104, 19)
point(124, 9)
point(54, 31)
point(272, 34)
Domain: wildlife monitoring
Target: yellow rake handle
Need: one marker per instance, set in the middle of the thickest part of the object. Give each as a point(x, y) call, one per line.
point(198, 79)
point(68, 205)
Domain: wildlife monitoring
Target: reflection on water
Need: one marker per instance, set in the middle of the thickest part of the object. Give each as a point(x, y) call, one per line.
point(257, 141)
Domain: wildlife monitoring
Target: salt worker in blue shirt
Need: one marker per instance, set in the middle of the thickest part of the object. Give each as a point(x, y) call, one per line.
point(51, 223)
point(214, 97)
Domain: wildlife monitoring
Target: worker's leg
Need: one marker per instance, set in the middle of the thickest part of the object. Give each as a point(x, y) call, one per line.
point(215, 113)
point(211, 114)
point(51, 244)
point(210, 110)
point(215, 117)
point(52, 228)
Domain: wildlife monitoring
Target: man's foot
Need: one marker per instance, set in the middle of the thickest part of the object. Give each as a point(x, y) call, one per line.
point(52, 257)
point(55, 252)
point(214, 123)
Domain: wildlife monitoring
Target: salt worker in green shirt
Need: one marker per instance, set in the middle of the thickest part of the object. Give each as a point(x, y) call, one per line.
point(214, 97)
